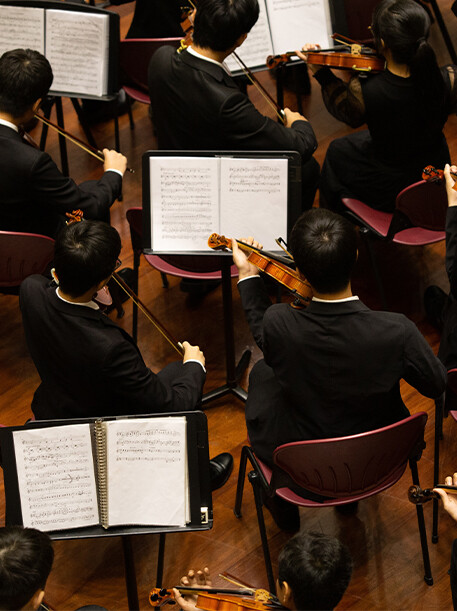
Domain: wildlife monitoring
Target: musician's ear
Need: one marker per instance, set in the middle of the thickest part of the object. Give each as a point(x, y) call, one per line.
point(35, 601)
point(36, 105)
point(285, 594)
point(240, 40)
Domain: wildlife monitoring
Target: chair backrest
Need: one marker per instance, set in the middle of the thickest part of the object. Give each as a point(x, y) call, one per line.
point(23, 254)
point(357, 464)
point(134, 57)
point(424, 203)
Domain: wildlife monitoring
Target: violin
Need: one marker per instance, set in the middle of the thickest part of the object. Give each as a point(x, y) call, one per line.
point(276, 267)
point(431, 174)
point(216, 599)
point(356, 57)
point(419, 496)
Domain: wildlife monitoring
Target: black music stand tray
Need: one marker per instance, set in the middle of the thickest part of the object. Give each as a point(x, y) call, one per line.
point(201, 509)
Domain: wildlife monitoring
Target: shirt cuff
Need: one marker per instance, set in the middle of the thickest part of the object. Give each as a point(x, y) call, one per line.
point(248, 278)
point(195, 361)
point(121, 174)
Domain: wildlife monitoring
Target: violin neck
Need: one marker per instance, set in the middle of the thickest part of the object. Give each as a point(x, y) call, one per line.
point(279, 258)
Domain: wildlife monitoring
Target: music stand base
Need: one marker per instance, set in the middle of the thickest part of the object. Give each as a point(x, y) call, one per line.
point(231, 387)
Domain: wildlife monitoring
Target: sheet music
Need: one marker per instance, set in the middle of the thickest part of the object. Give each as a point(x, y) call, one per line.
point(77, 46)
point(147, 461)
point(254, 199)
point(55, 471)
point(21, 28)
point(296, 22)
point(184, 202)
point(257, 46)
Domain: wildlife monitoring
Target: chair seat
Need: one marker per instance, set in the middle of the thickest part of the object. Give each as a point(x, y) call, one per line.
point(162, 266)
point(379, 222)
point(137, 94)
point(289, 495)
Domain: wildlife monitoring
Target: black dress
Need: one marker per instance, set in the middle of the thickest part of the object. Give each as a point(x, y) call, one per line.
point(374, 165)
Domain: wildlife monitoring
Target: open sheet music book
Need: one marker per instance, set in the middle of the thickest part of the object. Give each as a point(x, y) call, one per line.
point(112, 473)
point(193, 197)
point(76, 44)
point(284, 25)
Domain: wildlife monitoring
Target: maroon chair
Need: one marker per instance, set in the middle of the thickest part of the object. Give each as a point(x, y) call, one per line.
point(21, 255)
point(345, 469)
point(197, 268)
point(134, 57)
point(444, 406)
point(419, 219)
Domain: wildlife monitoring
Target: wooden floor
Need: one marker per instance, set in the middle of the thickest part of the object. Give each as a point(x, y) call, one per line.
point(382, 537)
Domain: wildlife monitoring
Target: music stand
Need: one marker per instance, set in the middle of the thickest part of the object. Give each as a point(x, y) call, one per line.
point(201, 260)
point(201, 511)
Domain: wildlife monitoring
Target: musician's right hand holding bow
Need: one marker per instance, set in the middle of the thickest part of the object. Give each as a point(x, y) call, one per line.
point(114, 161)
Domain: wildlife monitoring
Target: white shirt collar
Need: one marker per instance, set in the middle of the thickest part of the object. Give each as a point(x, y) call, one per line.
point(87, 304)
point(9, 124)
point(353, 298)
point(207, 59)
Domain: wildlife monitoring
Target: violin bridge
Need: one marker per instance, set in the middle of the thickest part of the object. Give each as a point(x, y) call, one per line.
point(356, 49)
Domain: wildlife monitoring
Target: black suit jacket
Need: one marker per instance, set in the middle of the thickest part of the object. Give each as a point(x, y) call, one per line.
point(196, 106)
point(34, 194)
point(91, 367)
point(330, 370)
point(448, 346)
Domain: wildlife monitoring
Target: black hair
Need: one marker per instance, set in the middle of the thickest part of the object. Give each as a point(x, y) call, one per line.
point(219, 23)
point(85, 254)
point(26, 557)
point(324, 246)
point(404, 26)
point(25, 76)
point(317, 568)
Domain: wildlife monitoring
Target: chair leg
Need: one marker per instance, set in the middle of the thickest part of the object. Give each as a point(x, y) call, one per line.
point(254, 479)
point(240, 484)
point(165, 284)
point(422, 530)
point(129, 111)
point(439, 404)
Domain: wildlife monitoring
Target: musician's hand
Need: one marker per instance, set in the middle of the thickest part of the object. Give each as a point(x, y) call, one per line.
point(450, 182)
point(199, 579)
point(192, 353)
point(449, 500)
point(114, 161)
point(245, 269)
point(303, 54)
point(292, 116)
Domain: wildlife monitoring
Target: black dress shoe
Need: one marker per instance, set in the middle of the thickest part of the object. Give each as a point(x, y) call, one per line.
point(220, 468)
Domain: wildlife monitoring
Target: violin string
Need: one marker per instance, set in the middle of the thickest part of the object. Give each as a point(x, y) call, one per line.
point(176, 345)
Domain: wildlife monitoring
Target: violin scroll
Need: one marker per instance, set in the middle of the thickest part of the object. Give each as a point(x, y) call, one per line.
point(432, 174)
point(419, 496)
point(218, 242)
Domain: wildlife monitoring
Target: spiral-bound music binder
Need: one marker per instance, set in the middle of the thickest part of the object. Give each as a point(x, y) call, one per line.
point(123, 474)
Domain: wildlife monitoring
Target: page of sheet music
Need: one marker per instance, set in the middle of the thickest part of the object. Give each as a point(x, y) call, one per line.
point(146, 461)
point(257, 46)
point(184, 202)
point(77, 46)
point(254, 199)
point(21, 27)
point(55, 471)
point(296, 22)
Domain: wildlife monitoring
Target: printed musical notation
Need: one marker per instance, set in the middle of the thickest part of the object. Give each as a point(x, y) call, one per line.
point(21, 27)
point(191, 197)
point(145, 457)
point(56, 477)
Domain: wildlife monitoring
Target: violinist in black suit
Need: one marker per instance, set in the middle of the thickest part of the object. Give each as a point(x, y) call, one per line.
point(34, 193)
point(333, 368)
point(197, 104)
